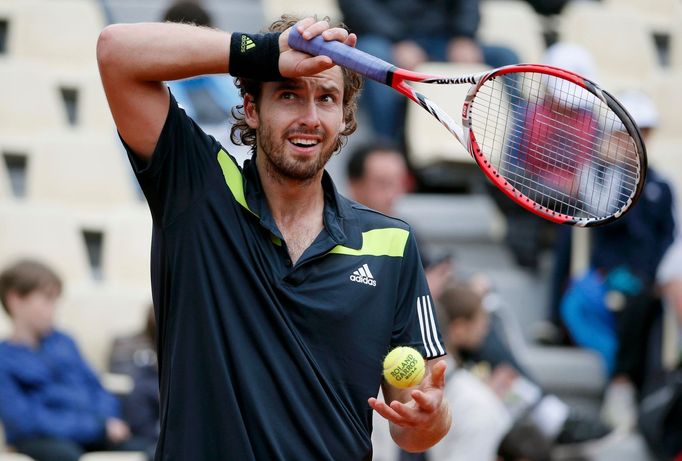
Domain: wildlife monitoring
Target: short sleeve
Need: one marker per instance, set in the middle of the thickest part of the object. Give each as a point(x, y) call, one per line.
point(415, 322)
point(177, 174)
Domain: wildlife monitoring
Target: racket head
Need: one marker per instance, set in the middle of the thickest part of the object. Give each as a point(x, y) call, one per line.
point(555, 143)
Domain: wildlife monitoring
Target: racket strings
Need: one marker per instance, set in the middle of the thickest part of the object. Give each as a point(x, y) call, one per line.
point(557, 143)
point(629, 162)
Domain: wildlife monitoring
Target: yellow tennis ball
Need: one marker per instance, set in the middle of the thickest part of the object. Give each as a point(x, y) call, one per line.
point(404, 367)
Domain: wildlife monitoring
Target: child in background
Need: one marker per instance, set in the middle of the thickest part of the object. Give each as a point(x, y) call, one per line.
point(52, 404)
point(509, 397)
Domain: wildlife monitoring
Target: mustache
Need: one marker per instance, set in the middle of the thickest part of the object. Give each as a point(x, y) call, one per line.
point(298, 131)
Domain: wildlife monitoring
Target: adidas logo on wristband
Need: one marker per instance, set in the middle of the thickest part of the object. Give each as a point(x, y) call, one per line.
point(247, 43)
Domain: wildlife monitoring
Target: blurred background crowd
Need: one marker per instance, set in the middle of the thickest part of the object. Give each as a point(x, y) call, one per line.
point(564, 343)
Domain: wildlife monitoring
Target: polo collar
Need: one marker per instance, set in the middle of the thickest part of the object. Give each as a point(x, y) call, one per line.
point(339, 217)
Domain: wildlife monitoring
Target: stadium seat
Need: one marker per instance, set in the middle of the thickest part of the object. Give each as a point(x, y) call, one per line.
point(127, 246)
point(14, 457)
point(43, 97)
point(664, 155)
point(658, 15)
point(63, 33)
point(675, 45)
point(30, 97)
point(74, 168)
point(5, 189)
point(668, 98)
point(91, 110)
point(428, 142)
point(273, 9)
point(48, 233)
point(94, 314)
point(515, 24)
point(113, 456)
point(619, 40)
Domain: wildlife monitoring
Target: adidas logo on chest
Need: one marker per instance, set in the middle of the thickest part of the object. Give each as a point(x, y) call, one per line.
point(363, 275)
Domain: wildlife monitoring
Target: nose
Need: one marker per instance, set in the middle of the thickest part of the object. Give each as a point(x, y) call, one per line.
point(309, 115)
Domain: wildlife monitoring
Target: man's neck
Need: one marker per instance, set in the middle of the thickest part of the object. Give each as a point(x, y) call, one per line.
point(291, 200)
point(296, 206)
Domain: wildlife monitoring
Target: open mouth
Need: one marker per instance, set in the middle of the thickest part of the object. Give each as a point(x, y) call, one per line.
point(304, 143)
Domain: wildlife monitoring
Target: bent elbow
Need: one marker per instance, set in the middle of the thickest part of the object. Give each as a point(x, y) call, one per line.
point(109, 45)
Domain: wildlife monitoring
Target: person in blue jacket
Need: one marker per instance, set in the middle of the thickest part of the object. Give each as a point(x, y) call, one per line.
point(52, 405)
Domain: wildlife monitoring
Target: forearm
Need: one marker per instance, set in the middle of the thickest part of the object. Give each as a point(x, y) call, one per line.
point(157, 52)
point(417, 439)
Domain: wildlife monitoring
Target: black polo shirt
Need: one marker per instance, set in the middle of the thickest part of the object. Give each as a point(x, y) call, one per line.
point(259, 359)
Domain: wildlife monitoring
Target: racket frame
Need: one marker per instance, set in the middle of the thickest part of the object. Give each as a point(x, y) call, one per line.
point(397, 78)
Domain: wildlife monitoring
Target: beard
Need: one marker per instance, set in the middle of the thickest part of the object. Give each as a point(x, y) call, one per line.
point(280, 165)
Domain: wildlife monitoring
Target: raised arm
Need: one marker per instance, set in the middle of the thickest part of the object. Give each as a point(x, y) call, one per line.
point(418, 417)
point(135, 59)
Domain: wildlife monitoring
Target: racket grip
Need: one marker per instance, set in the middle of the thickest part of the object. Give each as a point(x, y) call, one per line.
point(343, 55)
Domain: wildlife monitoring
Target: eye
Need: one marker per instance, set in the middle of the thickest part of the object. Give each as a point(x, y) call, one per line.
point(328, 98)
point(288, 95)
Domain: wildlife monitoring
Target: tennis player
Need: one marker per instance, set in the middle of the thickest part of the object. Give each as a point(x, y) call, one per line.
point(276, 298)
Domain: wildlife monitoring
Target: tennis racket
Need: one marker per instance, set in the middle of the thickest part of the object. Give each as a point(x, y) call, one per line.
point(551, 140)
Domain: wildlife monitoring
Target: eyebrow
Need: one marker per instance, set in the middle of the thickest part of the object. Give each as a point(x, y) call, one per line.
point(292, 84)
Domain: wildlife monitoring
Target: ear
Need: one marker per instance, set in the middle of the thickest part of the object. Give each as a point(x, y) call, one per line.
point(250, 111)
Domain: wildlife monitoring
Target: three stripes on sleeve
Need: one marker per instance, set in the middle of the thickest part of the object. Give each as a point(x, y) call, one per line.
point(427, 325)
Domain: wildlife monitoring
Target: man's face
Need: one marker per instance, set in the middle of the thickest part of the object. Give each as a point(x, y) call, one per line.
point(35, 311)
point(468, 334)
point(383, 181)
point(298, 122)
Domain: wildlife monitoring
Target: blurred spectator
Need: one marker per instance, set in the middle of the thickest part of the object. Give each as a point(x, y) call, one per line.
point(481, 416)
point(669, 278)
point(129, 353)
point(411, 32)
point(524, 442)
point(378, 177)
point(486, 405)
point(528, 235)
point(526, 401)
point(500, 408)
point(52, 404)
point(207, 99)
point(619, 288)
point(660, 411)
point(135, 356)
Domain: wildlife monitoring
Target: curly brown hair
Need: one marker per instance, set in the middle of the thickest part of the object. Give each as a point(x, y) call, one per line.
point(242, 134)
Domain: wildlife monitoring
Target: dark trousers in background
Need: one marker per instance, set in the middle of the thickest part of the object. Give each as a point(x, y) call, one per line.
point(633, 326)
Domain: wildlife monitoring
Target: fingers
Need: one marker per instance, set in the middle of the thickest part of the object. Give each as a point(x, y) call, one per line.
point(309, 28)
point(384, 410)
point(351, 40)
point(419, 412)
point(425, 402)
point(313, 65)
point(438, 374)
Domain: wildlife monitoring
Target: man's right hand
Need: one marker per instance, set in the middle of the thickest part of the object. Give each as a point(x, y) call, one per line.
point(293, 63)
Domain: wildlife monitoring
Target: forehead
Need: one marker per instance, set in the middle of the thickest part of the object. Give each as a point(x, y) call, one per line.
point(330, 79)
point(382, 160)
